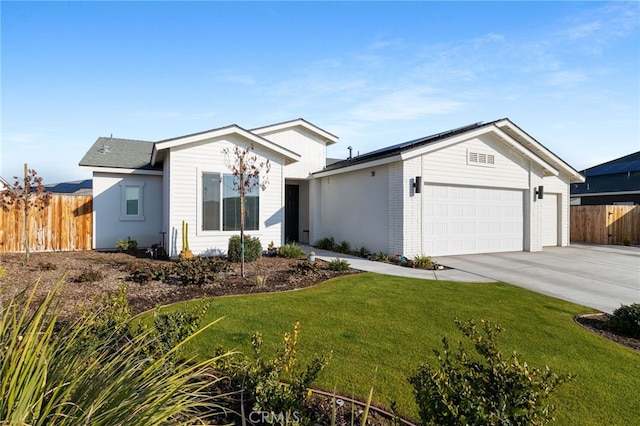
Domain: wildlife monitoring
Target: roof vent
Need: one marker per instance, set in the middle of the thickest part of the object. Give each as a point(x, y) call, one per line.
point(104, 149)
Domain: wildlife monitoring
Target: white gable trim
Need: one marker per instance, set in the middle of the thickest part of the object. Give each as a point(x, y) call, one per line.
point(515, 132)
point(289, 156)
point(328, 137)
point(406, 155)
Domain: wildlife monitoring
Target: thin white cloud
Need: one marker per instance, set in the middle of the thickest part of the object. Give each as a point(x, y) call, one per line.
point(405, 104)
point(566, 78)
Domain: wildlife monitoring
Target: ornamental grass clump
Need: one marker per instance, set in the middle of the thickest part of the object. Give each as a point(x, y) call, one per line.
point(50, 376)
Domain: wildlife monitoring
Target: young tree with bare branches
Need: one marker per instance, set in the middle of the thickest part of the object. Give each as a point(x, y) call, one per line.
point(26, 194)
point(248, 174)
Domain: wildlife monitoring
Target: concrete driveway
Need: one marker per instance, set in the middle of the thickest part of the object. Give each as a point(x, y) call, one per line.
point(601, 277)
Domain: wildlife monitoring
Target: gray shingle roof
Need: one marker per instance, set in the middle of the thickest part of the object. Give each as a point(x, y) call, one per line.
point(120, 153)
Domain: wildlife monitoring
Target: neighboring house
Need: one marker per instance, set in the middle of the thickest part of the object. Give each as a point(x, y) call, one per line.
point(74, 187)
point(470, 190)
point(614, 182)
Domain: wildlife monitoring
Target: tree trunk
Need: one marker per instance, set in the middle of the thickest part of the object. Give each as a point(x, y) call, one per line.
point(25, 205)
point(241, 191)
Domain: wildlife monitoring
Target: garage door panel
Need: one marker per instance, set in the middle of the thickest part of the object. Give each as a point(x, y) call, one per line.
point(460, 220)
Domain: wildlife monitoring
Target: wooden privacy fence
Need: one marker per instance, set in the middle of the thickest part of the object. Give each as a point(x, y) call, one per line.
point(605, 224)
point(65, 225)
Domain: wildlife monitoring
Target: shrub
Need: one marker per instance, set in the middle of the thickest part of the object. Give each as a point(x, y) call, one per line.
point(304, 268)
point(327, 243)
point(252, 249)
point(127, 246)
point(196, 271)
point(3, 271)
point(291, 251)
point(343, 247)
point(380, 257)
point(172, 328)
point(88, 275)
point(486, 391)
point(144, 272)
point(626, 320)
point(278, 385)
point(422, 262)
point(361, 252)
point(338, 264)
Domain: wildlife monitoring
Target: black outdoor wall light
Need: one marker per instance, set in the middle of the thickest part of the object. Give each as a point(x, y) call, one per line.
point(417, 184)
point(539, 193)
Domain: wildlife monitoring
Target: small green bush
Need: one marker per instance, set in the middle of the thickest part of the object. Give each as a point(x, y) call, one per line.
point(304, 268)
point(338, 264)
point(142, 273)
point(127, 246)
point(490, 390)
point(277, 385)
point(361, 252)
point(343, 247)
point(195, 271)
point(291, 251)
point(252, 249)
point(174, 327)
point(422, 262)
point(327, 243)
point(380, 257)
point(626, 320)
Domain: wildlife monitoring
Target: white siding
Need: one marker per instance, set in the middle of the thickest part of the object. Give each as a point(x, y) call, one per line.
point(309, 146)
point(107, 208)
point(187, 164)
point(549, 220)
point(354, 208)
point(450, 166)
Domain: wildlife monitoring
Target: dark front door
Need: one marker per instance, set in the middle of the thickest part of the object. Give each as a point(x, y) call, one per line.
point(291, 206)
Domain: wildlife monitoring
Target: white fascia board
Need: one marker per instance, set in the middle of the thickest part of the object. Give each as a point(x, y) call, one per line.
point(331, 139)
point(122, 171)
point(537, 148)
point(599, 194)
point(474, 134)
point(289, 156)
point(359, 166)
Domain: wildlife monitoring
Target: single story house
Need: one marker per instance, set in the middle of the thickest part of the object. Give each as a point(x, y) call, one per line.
point(614, 182)
point(486, 187)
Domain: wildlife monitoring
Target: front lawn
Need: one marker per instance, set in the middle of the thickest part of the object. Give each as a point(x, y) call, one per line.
point(374, 321)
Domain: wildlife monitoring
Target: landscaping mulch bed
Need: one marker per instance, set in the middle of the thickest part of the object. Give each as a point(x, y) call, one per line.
point(268, 274)
point(597, 323)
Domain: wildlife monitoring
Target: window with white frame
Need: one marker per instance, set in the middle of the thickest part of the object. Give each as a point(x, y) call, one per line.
point(221, 204)
point(131, 200)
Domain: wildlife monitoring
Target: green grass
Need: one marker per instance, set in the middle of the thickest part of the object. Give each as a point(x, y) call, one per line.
point(391, 323)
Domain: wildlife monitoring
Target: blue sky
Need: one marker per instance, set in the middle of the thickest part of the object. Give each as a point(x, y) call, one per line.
point(372, 73)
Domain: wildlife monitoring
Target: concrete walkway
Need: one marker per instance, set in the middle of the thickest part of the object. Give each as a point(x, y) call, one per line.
point(601, 277)
point(392, 269)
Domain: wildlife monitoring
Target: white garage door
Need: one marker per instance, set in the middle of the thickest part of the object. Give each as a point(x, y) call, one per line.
point(549, 220)
point(463, 220)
